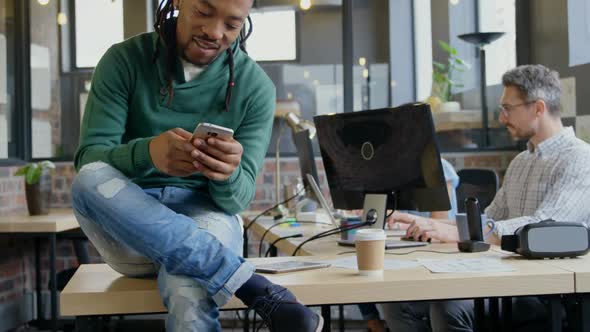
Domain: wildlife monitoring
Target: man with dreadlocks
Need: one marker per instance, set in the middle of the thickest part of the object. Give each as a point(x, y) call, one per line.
point(152, 200)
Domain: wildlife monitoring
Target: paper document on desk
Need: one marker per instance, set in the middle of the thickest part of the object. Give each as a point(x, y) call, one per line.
point(388, 264)
point(470, 265)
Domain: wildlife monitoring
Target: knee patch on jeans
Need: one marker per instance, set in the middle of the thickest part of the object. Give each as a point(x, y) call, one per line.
point(111, 188)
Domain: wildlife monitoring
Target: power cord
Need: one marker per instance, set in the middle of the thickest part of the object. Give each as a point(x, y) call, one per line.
point(389, 215)
point(329, 232)
point(282, 223)
point(247, 227)
point(280, 239)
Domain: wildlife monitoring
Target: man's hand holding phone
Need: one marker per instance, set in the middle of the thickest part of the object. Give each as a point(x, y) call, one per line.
point(217, 153)
point(171, 153)
point(210, 150)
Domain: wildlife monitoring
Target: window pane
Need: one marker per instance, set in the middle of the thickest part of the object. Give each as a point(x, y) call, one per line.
point(499, 15)
point(275, 35)
point(99, 24)
point(6, 76)
point(315, 83)
point(423, 49)
point(45, 89)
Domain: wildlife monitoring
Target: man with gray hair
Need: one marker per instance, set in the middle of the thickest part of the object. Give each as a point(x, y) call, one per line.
point(549, 180)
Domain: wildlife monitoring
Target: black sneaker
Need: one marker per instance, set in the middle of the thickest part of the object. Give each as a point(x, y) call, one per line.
point(281, 312)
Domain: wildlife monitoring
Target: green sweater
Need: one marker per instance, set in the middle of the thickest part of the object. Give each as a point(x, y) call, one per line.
point(127, 107)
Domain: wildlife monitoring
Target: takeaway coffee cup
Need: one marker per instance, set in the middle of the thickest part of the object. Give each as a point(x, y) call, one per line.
point(463, 227)
point(370, 251)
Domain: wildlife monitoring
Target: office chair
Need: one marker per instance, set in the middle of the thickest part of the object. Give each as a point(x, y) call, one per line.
point(479, 183)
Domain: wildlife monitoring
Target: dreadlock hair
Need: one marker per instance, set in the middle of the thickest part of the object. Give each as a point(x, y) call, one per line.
point(165, 27)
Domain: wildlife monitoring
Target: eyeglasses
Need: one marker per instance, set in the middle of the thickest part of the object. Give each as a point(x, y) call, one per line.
point(507, 108)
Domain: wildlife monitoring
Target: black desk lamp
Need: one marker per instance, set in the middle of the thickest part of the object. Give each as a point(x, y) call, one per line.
point(480, 39)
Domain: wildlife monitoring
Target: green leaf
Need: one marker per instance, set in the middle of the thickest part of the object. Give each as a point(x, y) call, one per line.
point(439, 65)
point(22, 171)
point(445, 46)
point(33, 174)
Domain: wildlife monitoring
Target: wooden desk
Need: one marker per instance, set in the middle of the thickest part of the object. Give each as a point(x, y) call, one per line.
point(97, 289)
point(580, 266)
point(58, 220)
point(39, 227)
point(530, 278)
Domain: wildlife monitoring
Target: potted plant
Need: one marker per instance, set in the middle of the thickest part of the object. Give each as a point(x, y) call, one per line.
point(37, 186)
point(444, 78)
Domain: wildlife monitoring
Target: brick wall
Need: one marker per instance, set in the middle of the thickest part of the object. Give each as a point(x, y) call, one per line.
point(16, 255)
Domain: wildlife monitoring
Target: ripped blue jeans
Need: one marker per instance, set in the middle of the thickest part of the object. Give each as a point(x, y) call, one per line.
point(177, 234)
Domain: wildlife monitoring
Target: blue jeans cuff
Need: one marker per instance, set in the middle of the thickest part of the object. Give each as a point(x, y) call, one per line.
point(242, 274)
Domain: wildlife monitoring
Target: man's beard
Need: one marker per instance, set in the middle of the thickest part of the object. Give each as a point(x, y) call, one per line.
point(521, 134)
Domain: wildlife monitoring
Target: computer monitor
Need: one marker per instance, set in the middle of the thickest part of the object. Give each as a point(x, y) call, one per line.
point(390, 151)
point(305, 156)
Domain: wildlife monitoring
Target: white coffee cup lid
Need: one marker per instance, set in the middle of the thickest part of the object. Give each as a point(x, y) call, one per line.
point(370, 234)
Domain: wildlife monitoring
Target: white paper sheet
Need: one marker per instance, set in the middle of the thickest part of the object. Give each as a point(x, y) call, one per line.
point(389, 264)
point(468, 265)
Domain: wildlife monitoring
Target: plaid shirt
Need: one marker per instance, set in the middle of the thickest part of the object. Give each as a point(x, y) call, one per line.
point(548, 181)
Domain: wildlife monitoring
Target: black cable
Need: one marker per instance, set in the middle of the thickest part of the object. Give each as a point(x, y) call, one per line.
point(280, 239)
point(281, 223)
point(271, 208)
point(389, 215)
point(247, 227)
point(338, 230)
point(341, 229)
point(331, 232)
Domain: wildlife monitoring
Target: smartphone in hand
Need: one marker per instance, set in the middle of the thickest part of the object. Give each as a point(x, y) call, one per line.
point(205, 130)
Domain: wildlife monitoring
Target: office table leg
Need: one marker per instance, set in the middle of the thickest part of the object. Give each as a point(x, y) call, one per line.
point(273, 251)
point(480, 314)
point(245, 244)
point(83, 324)
point(246, 321)
point(92, 323)
point(555, 313)
point(494, 304)
point(38, 280)
point(341, 317)
point(584, 312)
point(53, 281)
point(507, 314)
point(326, 314)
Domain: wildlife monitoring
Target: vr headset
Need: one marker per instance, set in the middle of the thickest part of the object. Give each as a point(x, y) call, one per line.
point(549, 239)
